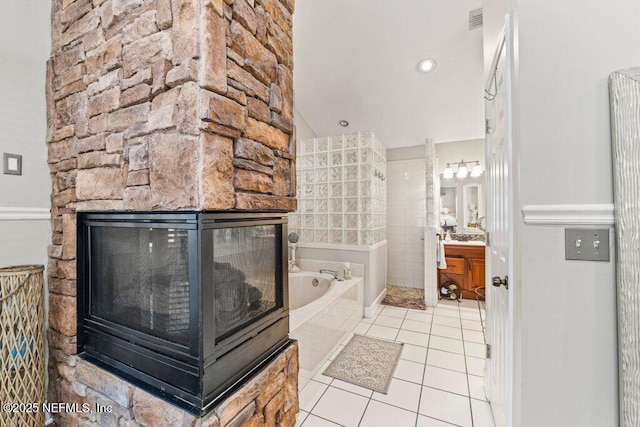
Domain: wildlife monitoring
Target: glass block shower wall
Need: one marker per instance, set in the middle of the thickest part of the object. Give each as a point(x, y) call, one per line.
point(342, 190)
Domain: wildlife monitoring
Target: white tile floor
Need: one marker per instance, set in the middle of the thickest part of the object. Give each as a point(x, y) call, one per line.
point(438, 380)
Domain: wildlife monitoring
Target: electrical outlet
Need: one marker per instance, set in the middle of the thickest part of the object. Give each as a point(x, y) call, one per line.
point(586, 244)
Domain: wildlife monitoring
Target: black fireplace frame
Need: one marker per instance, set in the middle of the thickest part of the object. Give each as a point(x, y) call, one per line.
point(202, 373)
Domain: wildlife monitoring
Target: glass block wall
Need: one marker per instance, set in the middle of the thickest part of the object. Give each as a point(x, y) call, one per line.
point(342, 190)
point(431, 181)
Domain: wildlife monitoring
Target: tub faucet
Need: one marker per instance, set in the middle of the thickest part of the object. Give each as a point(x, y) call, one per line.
point(293, 268)
point(338, 276)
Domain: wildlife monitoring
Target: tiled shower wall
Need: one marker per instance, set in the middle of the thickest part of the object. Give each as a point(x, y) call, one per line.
point(406, 219)
point(342, 190)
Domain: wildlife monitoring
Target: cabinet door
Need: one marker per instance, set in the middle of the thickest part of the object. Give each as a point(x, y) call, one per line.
point(455, 266)
point(476, 272)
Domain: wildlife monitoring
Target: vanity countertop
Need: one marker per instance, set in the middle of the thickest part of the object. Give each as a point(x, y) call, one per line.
point(467, 243)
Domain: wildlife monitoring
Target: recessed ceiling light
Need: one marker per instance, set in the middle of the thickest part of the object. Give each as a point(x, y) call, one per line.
point(343, 123)
point(427, 65)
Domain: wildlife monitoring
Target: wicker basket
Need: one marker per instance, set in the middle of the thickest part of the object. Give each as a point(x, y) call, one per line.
point(22, 344)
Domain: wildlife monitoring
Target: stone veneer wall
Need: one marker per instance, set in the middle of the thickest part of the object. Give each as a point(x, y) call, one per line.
point(268, 399)
point(160, 105)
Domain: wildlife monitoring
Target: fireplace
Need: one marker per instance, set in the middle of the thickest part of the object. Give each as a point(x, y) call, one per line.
point(183, 304)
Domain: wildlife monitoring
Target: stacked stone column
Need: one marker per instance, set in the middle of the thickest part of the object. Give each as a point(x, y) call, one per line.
point(161, 105)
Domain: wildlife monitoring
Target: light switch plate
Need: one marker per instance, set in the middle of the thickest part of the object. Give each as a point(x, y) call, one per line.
point(586, 244)
point(11, 164)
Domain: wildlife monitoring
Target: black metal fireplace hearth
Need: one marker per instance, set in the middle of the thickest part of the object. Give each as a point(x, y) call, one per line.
point(184, 304)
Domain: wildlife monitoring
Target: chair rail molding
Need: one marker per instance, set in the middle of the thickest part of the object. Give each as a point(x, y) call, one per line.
point(24, 214)
point(594, 214)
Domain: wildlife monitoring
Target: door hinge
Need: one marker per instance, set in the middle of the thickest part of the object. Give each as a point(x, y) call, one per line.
point(488, 129)
point(488, 351)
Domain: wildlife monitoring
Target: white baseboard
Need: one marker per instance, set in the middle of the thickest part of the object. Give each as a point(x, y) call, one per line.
point(370, 310)
point(24, 214)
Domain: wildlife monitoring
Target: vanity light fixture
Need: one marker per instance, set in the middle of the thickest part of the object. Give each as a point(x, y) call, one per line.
point(463, 170)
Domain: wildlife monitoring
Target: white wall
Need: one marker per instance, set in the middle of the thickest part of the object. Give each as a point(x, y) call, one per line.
point(406, 153)
point(569, 344)
point(24, 48)
point(26, 30)
point(23, 130)
point(564, 127)
point(565, 103)
point(566, 51)
point(406, 216)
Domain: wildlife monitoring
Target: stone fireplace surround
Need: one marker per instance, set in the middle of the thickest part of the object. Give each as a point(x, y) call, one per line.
point(165, 105)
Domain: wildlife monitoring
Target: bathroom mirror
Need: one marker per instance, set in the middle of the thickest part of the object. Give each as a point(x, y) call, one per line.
point(462, 204)
point(448, 206)
point(472, 206)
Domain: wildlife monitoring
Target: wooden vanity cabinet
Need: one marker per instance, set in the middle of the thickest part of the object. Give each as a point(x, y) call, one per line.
point(465, 266)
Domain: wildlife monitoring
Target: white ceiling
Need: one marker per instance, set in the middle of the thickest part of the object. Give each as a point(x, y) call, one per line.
point(357, 60)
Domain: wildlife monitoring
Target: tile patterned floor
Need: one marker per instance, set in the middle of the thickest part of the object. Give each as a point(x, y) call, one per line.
point(438, 381)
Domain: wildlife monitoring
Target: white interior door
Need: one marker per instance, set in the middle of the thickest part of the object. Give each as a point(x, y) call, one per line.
point(500, 227)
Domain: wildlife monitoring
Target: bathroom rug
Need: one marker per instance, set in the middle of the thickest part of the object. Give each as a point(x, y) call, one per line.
point(366, 362)
point(403, 297)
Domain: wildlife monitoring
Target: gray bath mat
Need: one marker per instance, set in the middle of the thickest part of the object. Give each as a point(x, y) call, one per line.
point(367, 362)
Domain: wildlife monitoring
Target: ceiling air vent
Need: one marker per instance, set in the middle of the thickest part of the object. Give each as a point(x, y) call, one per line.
point(475, 19)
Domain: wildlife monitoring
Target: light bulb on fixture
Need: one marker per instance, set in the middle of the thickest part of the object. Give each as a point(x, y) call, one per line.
point(477, 170)
point(448, 172)
point(462, 170)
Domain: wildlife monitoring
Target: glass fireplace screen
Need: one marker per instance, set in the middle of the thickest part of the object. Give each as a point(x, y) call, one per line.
point(244, 279)
point(143, 277)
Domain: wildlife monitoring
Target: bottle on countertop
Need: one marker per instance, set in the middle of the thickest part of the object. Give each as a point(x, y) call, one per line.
point(347, 271)
point(447, 237)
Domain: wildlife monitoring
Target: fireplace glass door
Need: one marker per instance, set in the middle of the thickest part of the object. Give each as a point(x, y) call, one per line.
point(140, 279)
point(246, 284)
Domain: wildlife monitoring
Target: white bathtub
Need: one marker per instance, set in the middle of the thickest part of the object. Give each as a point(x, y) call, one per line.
point(301, 289)
point(322, 316)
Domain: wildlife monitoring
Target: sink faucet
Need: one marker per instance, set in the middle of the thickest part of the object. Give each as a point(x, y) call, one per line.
point(338, 276)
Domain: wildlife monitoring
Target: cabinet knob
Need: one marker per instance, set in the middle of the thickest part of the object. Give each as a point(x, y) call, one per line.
point(497, 281)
